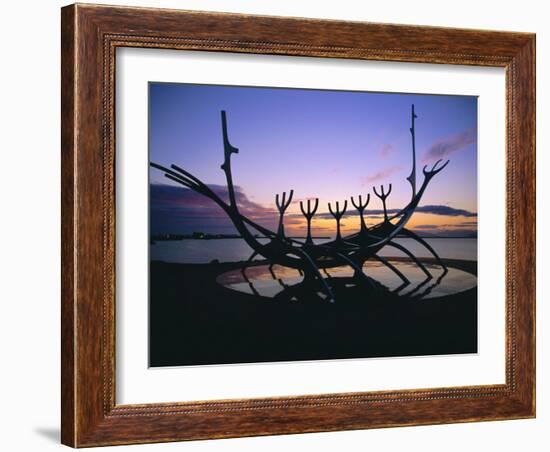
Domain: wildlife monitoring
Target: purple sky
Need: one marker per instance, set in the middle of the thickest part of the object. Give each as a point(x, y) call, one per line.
point(325, 144)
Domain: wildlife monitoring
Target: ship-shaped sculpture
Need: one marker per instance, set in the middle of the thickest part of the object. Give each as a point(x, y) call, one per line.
point(311, 258)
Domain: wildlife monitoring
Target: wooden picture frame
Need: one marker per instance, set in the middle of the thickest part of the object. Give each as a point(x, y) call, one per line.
point(90, 36)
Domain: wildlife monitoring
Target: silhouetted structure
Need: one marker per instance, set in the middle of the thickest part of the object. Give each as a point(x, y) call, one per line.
point(338, 214)
point(383, 196)
point(281, 207)
point(360, 206)
point(308, 257)
point(309, 213)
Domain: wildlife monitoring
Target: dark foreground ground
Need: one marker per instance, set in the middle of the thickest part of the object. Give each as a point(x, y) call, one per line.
point(195, 321)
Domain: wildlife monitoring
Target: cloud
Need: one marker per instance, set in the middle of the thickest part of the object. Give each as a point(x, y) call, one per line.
point(459, 229)
point(449, 233)
point(180, 210)
point(450, 145)
point(384, 174)
point(432, 209)
point(465, 225)
point(386, 151)
point(445, 210)
point(298, 200)
point(426, 226)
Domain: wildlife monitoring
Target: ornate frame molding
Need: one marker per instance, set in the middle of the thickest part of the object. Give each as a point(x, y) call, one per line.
point(90, 37)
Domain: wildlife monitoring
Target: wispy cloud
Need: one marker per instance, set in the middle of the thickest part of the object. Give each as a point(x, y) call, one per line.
point(447, 146)
point(445, 210)
point(298, 200)
point(386, 151)
point(383, 174)
point(459, 229)
point(468, 225)
point(442, 232)
point(426, 226)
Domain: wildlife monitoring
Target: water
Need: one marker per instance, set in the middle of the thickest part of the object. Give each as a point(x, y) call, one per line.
point(262, 281)
point(234, 250)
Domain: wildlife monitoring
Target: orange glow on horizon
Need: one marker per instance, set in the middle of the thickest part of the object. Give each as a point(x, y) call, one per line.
point(420, 222)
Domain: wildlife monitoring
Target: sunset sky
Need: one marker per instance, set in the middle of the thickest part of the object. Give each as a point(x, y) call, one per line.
point(325, 144)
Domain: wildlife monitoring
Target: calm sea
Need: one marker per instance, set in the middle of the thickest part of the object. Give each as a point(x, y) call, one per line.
point(233, 250)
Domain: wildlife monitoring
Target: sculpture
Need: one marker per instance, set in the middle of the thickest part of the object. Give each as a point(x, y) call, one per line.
point(306, 256)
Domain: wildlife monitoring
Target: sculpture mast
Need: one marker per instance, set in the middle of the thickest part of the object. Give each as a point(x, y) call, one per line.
point(412, 177)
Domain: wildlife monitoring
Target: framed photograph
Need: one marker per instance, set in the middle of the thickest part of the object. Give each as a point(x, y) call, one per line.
point(281, 225)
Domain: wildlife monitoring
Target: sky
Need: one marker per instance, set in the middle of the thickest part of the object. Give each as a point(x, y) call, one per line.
point(322, 144)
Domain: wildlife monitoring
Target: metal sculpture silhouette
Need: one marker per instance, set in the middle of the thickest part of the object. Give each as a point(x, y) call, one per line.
point(383, 196)
point(308, 257)
point(360, 207)
point(338, 214)
point(308, 214)
point(281, 207)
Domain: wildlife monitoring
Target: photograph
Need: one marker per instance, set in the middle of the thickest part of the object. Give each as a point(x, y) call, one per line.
point(292, 224)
